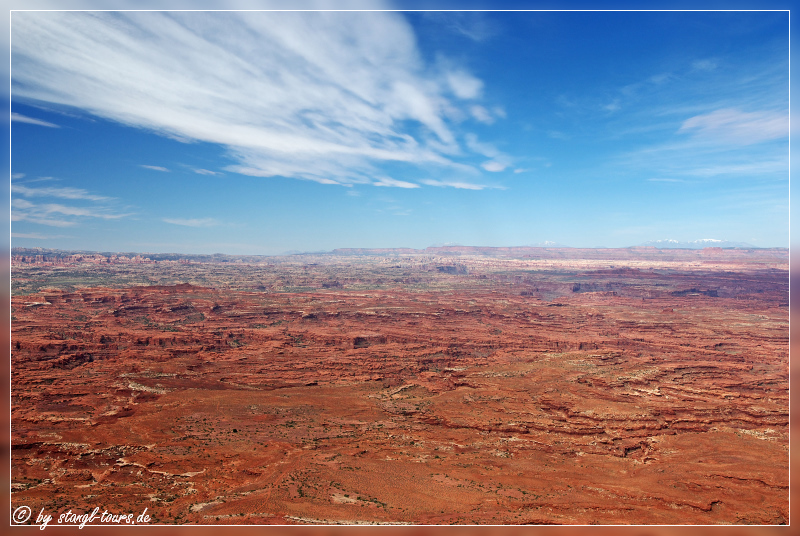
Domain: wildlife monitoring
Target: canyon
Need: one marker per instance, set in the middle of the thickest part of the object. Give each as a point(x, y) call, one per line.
point(451, 385)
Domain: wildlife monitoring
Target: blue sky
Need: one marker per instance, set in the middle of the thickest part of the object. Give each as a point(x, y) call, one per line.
point(262, 133)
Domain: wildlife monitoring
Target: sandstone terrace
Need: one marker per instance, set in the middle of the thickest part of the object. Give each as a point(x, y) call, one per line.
point(440, 387)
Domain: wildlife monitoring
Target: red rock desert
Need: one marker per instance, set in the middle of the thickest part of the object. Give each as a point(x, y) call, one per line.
point(450, 385)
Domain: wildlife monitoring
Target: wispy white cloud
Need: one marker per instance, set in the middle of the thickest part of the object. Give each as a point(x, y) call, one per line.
point(192, 222)
point(485, 115)
point(155, 168)
point(474, 25)
point(464, 85)
point(53, 214)
point(454, 184)
point(493, 166)
point(57, 214)
point(58, 208)
point(737, 127)
point(36, 236)
point(21, 204)
point(703, 158)
point(63, 193)
point(15, 176)
point(387, 181)
point(775, 166)
point(481, 114)
point(30, 181)
point(322, 96)
point(31, 121)
point(498, 162)
point(482, 148)
point(41, 220)
point(207, 172)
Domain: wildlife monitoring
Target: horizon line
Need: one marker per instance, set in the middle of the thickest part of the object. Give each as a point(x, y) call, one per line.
point(406, 250)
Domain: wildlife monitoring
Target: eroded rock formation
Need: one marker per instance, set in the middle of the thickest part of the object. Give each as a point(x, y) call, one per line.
point(388, 390)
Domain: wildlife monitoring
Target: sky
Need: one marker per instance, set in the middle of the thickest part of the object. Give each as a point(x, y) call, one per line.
point(275, 132)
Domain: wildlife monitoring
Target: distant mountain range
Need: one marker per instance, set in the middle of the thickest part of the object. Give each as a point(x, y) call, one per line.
point(695, 244)
point(541, 250)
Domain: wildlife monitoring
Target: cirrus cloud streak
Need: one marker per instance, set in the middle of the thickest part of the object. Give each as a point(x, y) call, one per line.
point(192, 222)
point(737, 127)
point(324, 96)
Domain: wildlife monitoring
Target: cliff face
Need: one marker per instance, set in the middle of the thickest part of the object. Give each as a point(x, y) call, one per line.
point(494, 394)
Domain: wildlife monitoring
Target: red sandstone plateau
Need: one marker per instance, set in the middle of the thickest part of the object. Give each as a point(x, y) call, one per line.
point(440, 386)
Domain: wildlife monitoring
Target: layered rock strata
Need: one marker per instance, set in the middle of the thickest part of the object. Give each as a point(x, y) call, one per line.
point(389, 391)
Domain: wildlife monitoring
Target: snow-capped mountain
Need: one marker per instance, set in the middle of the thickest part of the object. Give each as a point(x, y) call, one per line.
point(696, 244)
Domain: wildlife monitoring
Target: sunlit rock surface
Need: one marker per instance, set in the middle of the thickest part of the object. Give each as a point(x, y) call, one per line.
point(425, 387)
